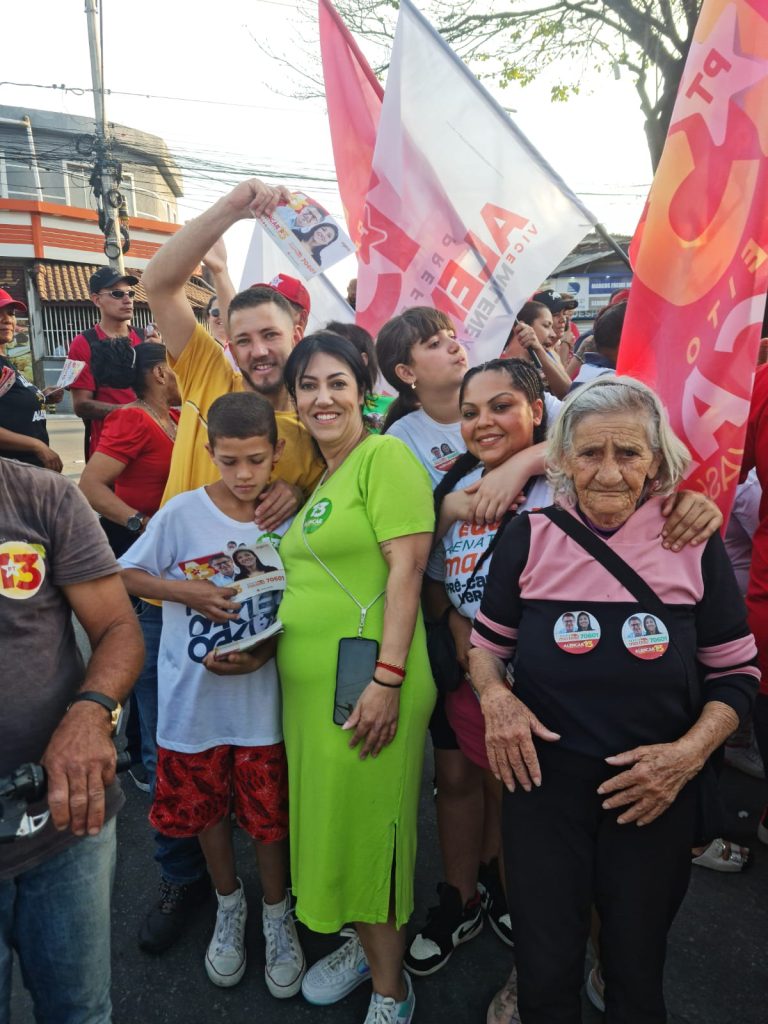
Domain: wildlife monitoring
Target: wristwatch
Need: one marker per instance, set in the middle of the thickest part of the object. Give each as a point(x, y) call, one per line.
point(135, 523)
point(114, 707)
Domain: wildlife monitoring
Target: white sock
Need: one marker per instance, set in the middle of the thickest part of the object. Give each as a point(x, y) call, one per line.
point(276, 909)
point(231, 899)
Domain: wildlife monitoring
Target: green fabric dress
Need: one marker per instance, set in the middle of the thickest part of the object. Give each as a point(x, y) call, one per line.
point(351, 820)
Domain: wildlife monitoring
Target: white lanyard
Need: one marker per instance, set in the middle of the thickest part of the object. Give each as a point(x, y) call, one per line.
point(364, 609)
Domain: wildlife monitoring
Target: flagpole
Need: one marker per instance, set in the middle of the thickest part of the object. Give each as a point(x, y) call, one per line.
point(600, 230)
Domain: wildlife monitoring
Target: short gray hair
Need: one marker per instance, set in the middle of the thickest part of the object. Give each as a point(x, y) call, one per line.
point(609, 394)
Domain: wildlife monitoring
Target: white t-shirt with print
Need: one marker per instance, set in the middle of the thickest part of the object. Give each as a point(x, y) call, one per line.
point(198, 710)
point(435, 445)
point(553, 406)
point(438, 445)
point(455, 558)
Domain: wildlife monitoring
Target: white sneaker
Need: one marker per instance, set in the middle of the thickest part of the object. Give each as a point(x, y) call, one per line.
point(225, 956)
point(285, 964)
point(385, 1010)
point(337, 974)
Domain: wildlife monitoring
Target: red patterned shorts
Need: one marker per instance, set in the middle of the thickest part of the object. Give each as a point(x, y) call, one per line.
point(195, 791)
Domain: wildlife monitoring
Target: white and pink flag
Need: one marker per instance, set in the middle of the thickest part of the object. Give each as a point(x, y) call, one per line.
point(462, 212)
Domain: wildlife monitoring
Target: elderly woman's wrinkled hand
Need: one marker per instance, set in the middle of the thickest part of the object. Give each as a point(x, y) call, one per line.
point(374, 719)
point(647, 788)
point(509, 730)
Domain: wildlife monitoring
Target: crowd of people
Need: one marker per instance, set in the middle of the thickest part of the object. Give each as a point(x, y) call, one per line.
point(502, 558)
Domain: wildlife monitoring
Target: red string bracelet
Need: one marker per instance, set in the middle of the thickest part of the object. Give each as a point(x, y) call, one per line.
point(396, 670)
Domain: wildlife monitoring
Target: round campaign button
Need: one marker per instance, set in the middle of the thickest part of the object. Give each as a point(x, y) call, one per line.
point(317, 515)
point(645, 636)
point(577, 632)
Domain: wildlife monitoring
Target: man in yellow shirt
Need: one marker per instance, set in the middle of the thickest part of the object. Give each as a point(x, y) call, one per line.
point(261, 329)
point(262, 333)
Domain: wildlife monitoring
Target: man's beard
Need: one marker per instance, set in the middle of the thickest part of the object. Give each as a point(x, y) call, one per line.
point(263, 388)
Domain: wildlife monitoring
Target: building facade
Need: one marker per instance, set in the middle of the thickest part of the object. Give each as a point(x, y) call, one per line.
point(592, 272)
point(50, 239)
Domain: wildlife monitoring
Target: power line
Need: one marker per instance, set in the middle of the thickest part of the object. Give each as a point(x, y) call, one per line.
point(81, 91)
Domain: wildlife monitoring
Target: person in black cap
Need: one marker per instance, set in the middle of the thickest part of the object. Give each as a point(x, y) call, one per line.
point(104, 383)
point(23, 434)
point(557, 304)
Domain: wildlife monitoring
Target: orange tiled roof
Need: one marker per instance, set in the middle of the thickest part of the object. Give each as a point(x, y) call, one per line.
point(68, 282)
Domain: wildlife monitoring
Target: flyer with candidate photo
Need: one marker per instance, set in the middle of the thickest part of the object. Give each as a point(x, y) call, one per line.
point(308, 235)
point(257, 575)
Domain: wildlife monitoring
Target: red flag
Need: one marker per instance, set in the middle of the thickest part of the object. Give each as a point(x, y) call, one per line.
point(700, 253)
point(354, 98)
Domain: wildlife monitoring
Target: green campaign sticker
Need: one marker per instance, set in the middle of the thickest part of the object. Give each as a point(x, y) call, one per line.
point(317, 515)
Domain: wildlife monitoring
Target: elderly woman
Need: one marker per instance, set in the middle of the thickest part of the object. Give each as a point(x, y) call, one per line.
point(355, 680)
point(600, 738)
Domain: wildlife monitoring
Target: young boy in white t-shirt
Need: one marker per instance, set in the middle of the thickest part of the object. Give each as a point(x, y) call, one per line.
point(219, 730)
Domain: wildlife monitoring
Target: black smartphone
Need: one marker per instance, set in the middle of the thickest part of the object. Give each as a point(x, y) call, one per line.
point(354, 670)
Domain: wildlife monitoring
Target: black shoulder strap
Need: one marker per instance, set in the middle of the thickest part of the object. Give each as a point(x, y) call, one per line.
point(607, 557)
point(91, 336)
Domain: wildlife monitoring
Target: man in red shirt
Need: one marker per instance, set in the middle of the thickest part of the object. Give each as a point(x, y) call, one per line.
point(104, 383)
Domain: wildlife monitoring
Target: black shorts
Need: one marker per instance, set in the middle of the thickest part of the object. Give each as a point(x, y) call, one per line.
point(443, 736)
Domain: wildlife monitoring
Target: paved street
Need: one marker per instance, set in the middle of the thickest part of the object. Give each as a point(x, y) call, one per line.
point(717, 972)
point(66, 437)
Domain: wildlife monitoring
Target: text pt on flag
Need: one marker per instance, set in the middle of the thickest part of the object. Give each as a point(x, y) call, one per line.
point(462, 213)
point(700, 253)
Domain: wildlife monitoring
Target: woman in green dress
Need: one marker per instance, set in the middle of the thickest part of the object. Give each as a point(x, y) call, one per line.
point(354, 560)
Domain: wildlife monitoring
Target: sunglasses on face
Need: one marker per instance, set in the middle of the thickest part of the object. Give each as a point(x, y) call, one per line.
point(120, 293)
point(214, 311)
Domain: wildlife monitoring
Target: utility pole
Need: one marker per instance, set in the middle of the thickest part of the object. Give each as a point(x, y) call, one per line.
point(107, 173)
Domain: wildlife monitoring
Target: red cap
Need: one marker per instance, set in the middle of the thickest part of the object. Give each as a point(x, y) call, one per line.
point(8, 300)
point(290, 288)
point(618, 297)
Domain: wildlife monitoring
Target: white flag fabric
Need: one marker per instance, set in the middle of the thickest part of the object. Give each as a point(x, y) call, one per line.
point(264, 261)
point(462, 213)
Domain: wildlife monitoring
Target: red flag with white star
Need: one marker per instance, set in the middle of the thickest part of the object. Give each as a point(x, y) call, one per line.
point(700, 253)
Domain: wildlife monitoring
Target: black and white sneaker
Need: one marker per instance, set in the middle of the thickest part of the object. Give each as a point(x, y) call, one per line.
point(494, 901)
point(448, 925)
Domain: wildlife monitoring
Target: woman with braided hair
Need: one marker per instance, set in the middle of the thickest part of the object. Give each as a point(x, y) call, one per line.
point(502, 414)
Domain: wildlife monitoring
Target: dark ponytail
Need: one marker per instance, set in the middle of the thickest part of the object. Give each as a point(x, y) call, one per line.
point(148, 355)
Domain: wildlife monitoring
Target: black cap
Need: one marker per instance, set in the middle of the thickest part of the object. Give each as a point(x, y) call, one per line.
point(554, 301)
point(106, 277)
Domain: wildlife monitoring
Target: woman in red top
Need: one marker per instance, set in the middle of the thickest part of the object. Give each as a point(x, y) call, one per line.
point(125, 478)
